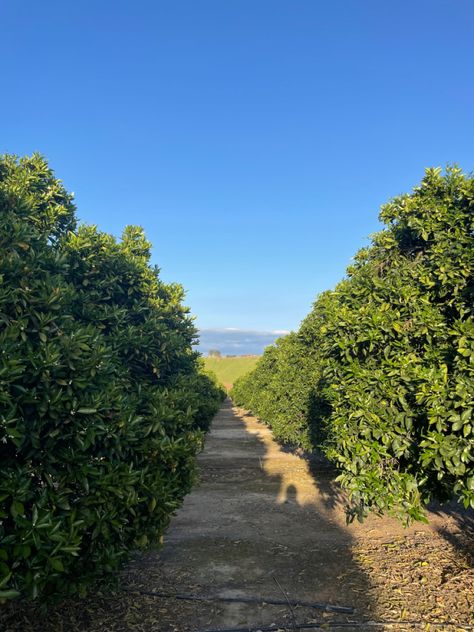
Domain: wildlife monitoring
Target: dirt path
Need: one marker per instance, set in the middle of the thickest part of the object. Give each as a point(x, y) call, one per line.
point(260, 517)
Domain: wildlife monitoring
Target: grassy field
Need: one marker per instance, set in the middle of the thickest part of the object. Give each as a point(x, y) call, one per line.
point(229, 369)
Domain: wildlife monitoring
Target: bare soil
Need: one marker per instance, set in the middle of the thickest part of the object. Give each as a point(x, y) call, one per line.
point(267, 523)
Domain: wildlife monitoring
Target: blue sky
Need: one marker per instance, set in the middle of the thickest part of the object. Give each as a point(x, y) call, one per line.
point(234, 341)
point(254, 140)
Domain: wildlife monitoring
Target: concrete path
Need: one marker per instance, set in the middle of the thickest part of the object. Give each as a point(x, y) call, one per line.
point(260, 524)
point(263, 524)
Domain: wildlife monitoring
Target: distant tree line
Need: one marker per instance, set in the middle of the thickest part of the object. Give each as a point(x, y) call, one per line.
point(214, 353)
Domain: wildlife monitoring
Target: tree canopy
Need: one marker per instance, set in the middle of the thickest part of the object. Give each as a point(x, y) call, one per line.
point(380, 374)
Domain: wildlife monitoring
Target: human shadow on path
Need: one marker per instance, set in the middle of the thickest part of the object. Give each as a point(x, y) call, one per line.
point(259, 514)
point(256, 525)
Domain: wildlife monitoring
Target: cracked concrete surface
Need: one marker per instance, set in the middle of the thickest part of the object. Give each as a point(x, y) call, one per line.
point(261, 513)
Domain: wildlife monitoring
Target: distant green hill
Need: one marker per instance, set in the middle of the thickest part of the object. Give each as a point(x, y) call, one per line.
point(229, 369)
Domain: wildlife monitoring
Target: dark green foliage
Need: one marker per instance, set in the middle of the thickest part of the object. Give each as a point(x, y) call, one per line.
point(102, 399)
point(280, 389)
point(386, 361)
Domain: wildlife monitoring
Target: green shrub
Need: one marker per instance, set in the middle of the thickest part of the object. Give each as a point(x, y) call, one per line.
point(102, 399)
point(280, 390)
point(387, 358)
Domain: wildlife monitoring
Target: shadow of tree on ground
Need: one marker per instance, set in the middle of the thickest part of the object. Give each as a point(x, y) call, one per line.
point(263, 513)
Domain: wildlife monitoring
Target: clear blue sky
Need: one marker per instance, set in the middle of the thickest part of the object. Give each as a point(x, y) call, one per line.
point(254, 140)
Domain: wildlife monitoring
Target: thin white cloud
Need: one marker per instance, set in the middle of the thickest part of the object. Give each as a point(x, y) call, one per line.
point(232, 340)
point(256, 332)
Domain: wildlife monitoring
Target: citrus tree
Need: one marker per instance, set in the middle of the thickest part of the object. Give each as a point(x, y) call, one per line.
point(386, 384)
point(103, 402)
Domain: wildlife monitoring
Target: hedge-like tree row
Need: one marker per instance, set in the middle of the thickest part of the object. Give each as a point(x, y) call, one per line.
point(103, 401)
point(380, 374)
